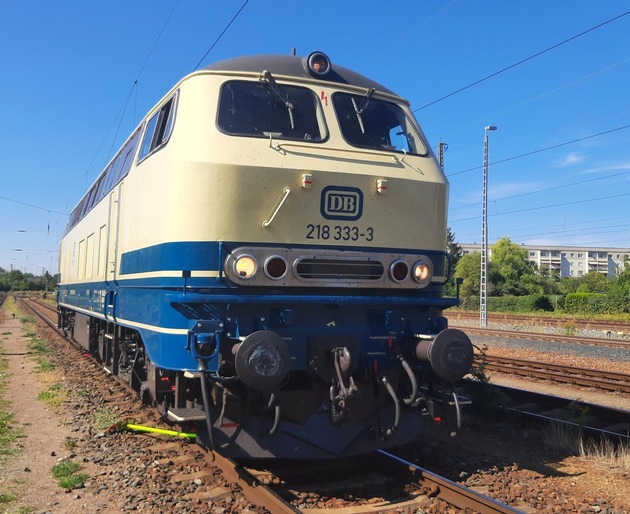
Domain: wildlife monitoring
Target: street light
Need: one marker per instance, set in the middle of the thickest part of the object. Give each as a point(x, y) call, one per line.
point(483, 285)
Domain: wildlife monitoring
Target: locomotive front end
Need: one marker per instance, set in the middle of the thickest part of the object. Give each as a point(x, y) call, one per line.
point(332, 266)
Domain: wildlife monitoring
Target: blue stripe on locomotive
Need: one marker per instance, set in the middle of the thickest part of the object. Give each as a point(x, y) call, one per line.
point(208, 256)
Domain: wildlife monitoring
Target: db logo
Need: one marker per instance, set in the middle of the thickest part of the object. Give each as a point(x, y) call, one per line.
point(341, 203)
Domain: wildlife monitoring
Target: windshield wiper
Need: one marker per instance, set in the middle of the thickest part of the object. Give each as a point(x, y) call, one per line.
point(359, 110)
point(266, 76)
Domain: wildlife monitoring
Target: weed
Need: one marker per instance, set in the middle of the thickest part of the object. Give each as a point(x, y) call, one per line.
point(70, 444)
point(478, 369)
point(54, 396)
point(7, 497)
point(38, 346)
point(105, 418)
point(44, 365)
point(617, 455)
point(65, 469)
point(577, 412)
point(570, 329)
point(67, 476)
point(565, 438)
point(8, 432)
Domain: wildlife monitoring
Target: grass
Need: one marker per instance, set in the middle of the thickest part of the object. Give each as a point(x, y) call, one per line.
point(605, 451)
point(8, 432)
point(70, 444)
point(105, 418)
point(40, 349)
point(7, 498)
point(564, 438)
point(67, 476)
point(54, 396)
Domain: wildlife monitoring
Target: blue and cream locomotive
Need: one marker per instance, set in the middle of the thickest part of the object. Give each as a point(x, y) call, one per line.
point(265, 257)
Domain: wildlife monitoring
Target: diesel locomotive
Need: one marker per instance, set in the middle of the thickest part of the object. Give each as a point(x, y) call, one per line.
point(265, 259)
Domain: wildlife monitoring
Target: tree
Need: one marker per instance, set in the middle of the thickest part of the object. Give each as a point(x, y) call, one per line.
point(452, 247)
point(513, 272)
point(469, 270)
point(19, 281)
point(569, 285)
point(454, 251)
point(594, 282)
point(620, 285)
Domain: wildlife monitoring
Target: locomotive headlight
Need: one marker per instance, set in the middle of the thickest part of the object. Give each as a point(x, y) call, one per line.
point(275, 267)
point(318, 64)
point(398, 270)
point(245, 266)
point(422, 271)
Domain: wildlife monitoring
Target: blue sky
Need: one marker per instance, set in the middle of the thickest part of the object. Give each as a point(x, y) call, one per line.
point(559, 169)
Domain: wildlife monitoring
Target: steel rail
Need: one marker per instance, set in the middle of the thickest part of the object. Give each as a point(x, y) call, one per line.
point(559, 322)
point(453, 493)
point(254, 490)
point(517, 334)
point(600, 379)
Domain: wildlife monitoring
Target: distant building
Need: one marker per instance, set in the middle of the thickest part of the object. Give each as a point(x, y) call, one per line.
point(568, 261)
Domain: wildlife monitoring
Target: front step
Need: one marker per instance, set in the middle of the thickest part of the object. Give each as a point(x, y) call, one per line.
point(185, 415)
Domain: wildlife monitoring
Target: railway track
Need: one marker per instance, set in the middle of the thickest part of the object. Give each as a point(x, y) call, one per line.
point(558, 338)
point(614, 327)
point(599, 379)
point(381, 482)
point(274, 494)
point(593, 419)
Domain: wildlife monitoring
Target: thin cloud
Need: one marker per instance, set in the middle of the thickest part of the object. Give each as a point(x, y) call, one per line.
point(569, 160)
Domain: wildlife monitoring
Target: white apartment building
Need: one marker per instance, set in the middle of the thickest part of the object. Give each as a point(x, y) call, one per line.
point(568, 261)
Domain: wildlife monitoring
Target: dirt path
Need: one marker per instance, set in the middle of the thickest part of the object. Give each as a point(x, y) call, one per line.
point(43, 443)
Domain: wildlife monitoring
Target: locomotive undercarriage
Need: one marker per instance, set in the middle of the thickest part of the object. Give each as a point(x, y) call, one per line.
point(343, 403)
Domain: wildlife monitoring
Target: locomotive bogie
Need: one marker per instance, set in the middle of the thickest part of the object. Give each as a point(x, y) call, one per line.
point(267, 251)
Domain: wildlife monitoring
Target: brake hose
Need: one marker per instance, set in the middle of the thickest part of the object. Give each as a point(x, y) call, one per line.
point(392, 393)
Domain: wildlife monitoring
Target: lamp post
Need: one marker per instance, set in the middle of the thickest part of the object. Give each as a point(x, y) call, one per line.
point(483, 284)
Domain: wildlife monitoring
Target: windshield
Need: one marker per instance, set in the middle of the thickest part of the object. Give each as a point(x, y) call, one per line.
point(261, 110)
point(377, 124)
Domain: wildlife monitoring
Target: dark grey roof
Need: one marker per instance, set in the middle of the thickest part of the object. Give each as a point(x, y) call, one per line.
point(294, 66)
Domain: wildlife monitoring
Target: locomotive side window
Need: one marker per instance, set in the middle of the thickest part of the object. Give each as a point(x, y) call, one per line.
point(158, 129)
point(257, 110)
point(376, 124)
point(115, 171)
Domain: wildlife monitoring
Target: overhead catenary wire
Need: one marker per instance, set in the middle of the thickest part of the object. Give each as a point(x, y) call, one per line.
point(544, 190)
point(564, 204)
point(552, 147)
point(123, 108)
point(221, 35)
point(125, 103)
point(522, 61)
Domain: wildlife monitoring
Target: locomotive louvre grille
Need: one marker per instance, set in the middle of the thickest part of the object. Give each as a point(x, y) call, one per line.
point(340, 269)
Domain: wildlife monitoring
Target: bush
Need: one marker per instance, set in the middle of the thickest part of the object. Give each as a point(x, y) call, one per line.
point(594, 303)
point(529, 303)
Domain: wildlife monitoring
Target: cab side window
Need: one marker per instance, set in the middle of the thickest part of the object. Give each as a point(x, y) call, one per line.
point(158, 129)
